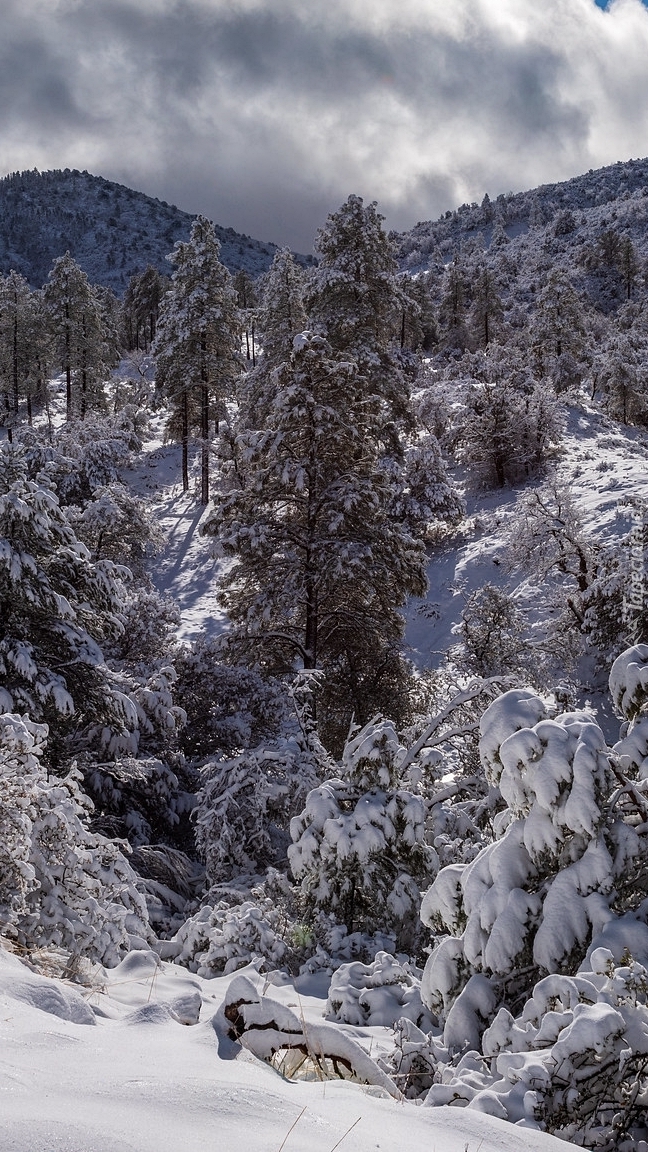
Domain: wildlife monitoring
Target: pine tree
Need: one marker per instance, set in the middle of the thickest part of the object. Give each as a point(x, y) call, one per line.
point(622, 374)
point(142, 302)
point(56, 607)
point(247, 296)
point(77, 330)
point(359, 846)
point(321, 567)
point(22, 342)
point(558, 335)
point(281, 318)
point(197, 342)
point(628, 265)
point(509, 426)
point(354, 298)
point(487, 306)
point(453, 306)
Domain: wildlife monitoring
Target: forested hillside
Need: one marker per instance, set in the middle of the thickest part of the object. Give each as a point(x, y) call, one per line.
point(112, 232)
point(222, 500)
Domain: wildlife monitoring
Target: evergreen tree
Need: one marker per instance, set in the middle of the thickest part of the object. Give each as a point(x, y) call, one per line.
point(56, 608)
point(418, 320)
point(355, 299)
point(628, 265)
point(76, 325)
point(247, 297)
point(487, 306)
point(622, 374)
point(22, 344)
point(281, 318)
point(197, 342)
point(321, 566)
point(142, 302)
point(359, 846)
point(558, 334)
point(453, 306)
point(510, 423)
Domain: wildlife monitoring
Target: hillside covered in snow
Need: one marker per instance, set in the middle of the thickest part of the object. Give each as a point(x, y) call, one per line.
point(112, 231)
point(324, 691)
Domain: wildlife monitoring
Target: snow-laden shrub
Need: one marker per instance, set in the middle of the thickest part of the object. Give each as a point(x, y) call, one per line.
point(426, 499)
point(228, 708)
point(501, 919)
point(114, 525)
point(573, 1062)
point(216, 941)
point(379, 993)
point(73, 888)
point(359, 846)
point(58, 608)
point(84, 456)
point(150, 621)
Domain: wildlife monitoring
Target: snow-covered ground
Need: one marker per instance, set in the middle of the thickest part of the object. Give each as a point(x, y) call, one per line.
point(131, 1060)
point(187, 569)
point(605, 465)
point(108, 1066)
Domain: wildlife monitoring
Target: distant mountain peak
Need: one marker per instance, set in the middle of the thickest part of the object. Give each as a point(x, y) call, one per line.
point(112, 231)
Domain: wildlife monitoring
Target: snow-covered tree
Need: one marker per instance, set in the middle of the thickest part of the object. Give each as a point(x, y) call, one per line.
point(197, 345)
point(558, 333)
point(453, 307)
point(509, 426)
point(75, 319)
point(22, 342)
point(321, 566)
point(60, 884)
point(354, 298)
point(247, 298)
point(57, 606)
point(487, 308)
point(426, 500)
point(281, 317)
point(492, 635)
point(229, 708)
point(115, 525)
point(245, 803)
point(566, 842)
point(142, 302)
point(359, 846)
point(623, 377)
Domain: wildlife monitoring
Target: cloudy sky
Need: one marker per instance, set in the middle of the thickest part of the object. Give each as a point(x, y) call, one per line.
point(266, 114)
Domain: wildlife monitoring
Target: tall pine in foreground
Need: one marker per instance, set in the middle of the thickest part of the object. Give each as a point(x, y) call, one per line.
point(197, 344)
point(320, 567)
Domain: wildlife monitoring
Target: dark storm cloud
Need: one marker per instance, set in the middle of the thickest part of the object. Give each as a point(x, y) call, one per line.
point(266, 113)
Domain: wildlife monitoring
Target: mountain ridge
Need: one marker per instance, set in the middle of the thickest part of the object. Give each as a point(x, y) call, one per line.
point(112, 231)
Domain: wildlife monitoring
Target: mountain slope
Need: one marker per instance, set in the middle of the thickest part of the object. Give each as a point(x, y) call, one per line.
point(110, 230)
point(553, 225)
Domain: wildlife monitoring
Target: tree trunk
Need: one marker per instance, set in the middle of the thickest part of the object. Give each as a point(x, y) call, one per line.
point(15, 357)
point(204, 424)
point(185, 441)
point(310, 638)
point(204, 434)
point(68, 366)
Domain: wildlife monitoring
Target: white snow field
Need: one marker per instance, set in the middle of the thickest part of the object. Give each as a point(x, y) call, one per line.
point(109, 1067)
point(605, 465)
